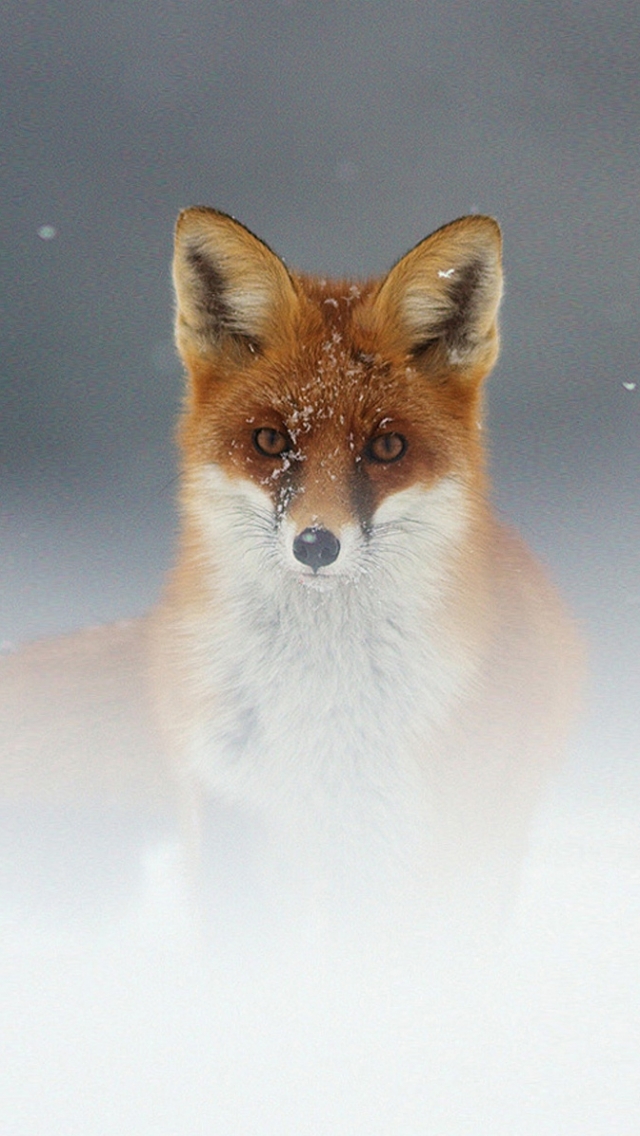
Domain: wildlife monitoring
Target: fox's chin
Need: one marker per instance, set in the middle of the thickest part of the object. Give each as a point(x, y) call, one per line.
point(320, 581)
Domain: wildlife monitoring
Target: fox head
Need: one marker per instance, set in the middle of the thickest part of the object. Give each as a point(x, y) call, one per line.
point(329, 423)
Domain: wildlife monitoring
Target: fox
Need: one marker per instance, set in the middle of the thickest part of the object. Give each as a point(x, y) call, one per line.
point(353, 651)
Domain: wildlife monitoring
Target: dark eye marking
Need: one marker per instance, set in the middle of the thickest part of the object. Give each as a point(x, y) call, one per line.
point(269, 442)
point(385, 448)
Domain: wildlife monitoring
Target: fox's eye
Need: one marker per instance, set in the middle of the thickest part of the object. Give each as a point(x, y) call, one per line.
point(271, 443)
point(386, 447)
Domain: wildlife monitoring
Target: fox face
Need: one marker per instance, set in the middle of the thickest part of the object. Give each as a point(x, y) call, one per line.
point(334, 426)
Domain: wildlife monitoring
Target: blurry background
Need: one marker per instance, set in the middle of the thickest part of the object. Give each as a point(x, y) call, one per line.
point(341, 132)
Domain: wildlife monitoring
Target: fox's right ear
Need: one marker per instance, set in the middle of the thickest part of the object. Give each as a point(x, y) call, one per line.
point(444, 295)
point(232, 291)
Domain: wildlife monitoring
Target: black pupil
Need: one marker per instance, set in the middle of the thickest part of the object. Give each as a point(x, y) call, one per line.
point(387, 447)
point(270, 442)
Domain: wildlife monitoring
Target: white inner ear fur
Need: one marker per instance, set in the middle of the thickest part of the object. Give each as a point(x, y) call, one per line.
point(251, 304)
point(421, 310)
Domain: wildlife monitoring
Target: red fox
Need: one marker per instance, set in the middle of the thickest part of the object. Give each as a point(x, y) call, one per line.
point(351, 647)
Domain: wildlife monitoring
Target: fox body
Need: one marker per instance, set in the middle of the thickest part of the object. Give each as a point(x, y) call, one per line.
point(355, 648)
point(351, 647)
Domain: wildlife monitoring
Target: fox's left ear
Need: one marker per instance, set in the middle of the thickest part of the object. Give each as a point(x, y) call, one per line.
point(445, 294)
point(233, 293)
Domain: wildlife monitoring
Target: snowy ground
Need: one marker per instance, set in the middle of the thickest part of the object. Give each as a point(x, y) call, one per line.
point(118, 1021)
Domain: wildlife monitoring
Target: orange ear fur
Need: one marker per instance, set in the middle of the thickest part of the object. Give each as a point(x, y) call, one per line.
point(446, 293)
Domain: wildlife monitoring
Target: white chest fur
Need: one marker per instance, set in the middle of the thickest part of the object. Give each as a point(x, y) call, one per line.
point(322, 694)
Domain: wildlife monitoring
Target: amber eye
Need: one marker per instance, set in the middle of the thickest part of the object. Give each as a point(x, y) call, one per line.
point(386, 447)
point(271, 443)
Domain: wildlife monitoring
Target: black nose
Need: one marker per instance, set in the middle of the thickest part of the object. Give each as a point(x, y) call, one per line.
point(316, 547)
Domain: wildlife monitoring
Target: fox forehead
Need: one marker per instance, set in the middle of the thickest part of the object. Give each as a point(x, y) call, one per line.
point(326, 384)
point(332, 372)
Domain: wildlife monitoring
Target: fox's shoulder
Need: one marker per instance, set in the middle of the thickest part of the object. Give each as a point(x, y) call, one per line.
point(524, 595)
point(539, 651)
point(75, 720)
